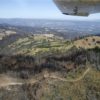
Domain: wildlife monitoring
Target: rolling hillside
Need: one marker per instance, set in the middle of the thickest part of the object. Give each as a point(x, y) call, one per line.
point(49, 67)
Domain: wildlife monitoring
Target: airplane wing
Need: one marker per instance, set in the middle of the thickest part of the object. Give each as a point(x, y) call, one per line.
point(78, 7)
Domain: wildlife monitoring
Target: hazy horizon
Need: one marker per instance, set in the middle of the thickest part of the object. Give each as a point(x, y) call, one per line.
point(36, 9)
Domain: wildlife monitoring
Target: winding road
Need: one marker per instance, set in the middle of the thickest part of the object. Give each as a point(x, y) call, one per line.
point(8, 81)
point(70, 80)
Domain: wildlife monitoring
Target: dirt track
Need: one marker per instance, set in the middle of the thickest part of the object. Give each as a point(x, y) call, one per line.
point(8, 81)
point(71, 80)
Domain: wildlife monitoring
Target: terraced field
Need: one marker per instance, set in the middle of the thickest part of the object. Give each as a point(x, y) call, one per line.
point(44, 43)
point(36, 44)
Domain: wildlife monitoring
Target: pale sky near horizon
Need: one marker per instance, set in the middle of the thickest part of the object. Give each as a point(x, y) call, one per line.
point(35, 9)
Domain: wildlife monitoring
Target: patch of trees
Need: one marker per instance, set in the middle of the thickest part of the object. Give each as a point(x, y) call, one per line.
point(94, 57)
point(63, 62)
point(73, 55)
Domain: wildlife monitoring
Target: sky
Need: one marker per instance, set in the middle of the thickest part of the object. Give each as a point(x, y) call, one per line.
point(38, 9)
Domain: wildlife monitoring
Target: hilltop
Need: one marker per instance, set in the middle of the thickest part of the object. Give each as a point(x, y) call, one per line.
point(41, 43)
